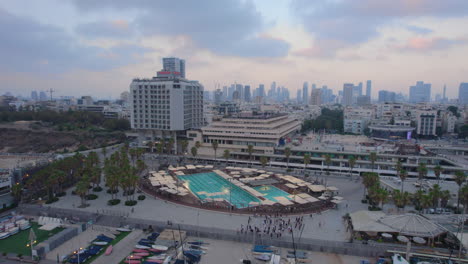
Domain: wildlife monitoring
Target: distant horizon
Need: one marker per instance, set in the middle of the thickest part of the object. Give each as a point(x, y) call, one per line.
point(81, 47)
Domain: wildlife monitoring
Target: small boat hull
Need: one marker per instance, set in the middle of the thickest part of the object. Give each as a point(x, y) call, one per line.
point(141, 247)
point(160, 248)
point(108, 250)
point(100, 243)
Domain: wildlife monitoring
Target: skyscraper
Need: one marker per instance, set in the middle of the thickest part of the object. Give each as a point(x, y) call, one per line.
point(386, 96)
point(299, 96)
point(316, 97)
point(218, 96)
point(305, 93)
point(261, 90)
point(247, 96)
point(174, 65)
point(463, 94)
point(240, 91)
point(348, 91)
point(225, 93)
point(369, 88)
point(420, 93)
point(34, 95)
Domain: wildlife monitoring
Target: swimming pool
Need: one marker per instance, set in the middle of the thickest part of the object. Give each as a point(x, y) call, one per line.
point(211, 185)
point(271, 192)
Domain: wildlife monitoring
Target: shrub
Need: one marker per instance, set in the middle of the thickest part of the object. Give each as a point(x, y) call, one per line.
point(53, 200)
point(91, 197)
point(97, 189)
point(130, 203)
point(61, 194)
point(141, 197)
point(113, 202)
point(364, 201)
point(374, 208)
point(112, 192)
point(19, 255)
point(4, 254)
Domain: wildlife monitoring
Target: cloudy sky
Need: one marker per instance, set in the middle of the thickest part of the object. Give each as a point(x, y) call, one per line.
point(80, 47)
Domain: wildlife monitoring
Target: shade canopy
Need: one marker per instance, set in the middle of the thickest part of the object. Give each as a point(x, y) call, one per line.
point(413, 225)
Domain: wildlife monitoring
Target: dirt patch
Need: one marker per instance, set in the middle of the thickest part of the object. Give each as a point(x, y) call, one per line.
point(31, 141)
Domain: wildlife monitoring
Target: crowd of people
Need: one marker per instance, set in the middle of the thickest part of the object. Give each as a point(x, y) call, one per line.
point(272, 225)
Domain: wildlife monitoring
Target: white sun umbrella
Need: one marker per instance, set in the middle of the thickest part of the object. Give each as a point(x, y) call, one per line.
point(386, 235)
point(419, 240)
point(403, 239)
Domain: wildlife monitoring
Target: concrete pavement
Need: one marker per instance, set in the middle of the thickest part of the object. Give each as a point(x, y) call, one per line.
point(121, 249)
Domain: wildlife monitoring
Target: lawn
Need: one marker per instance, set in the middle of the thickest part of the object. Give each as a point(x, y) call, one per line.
point(117, 239)
point(17, 243)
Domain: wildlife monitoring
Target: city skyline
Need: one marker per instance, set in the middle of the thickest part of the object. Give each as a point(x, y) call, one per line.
point(98, 47)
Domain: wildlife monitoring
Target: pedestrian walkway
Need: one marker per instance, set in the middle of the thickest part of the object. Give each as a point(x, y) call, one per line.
point(121, 249)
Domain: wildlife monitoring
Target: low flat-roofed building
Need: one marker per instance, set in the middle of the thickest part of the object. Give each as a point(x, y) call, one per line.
point(263, 131)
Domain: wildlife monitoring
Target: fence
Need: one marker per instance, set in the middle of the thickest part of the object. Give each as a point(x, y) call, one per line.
point(117, 219)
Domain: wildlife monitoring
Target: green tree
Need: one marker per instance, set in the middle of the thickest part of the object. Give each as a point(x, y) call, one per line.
point(444, 198)
point(197, 144)
point(306, 161)
point(369, 179)
point(150, 145)
point(184, 145)
point(422, 172)
point(437, 172)
point(214, 145)
point(140, 166)
point(250, 150)
point(435, 193)
point(16, 191)
point(373, 159)
point(194, 151)
point(226, 155)
point(426, 201)
point(263, 161)
point(460, 178)
point(287, 154)
point(401, 199)
point(82, 190)
point(403, 175)
point(160, 148)
point(351, 163)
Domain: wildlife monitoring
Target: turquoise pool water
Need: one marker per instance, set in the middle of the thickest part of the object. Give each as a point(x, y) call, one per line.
point(271, 192)
point(211, 185)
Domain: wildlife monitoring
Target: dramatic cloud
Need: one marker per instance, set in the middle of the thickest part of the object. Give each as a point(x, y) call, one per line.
point(229, 27)
point(106, 29)
point(355, 22)
point(30, 46)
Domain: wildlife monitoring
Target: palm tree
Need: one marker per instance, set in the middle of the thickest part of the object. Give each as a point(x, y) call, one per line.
point(373, 159)
point(369, 179)
point(197, 144)
point(194, 151)
point(401, 199)
point(352, 163)
point(214, 144)
point(444, 198)
point(422, 172)
point(435, 193)
point(82, 190)
point(417, 197)
point(250, 150)
point(437, 172)
point(382, 196)
point(140, 166)
point(263, 161)
point(150, 145)
point(287, 154)
point(403, 175)
point(184, 145)
point(16, 191)
point(306, 161)
point(426, 201)
point(460, 178)
point(170, 145)
point(160, 149)
point(226, 155)
point(328, 162)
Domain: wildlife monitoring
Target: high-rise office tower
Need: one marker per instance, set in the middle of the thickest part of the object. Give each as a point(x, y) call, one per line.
point(316, 97)
point(231, 90)
point(348, 91)
point(463, 94)
point(240, 91)
point(261, 90)
point(305, 93)
point(420, 93)
point(387, 96)
point(42, 96)
point(444, 97)
point(247, 96)
point(34, 95)
point(218, 96)
point(299, 96)
point(225, 93)
point(174, 65)
point(369, 88)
